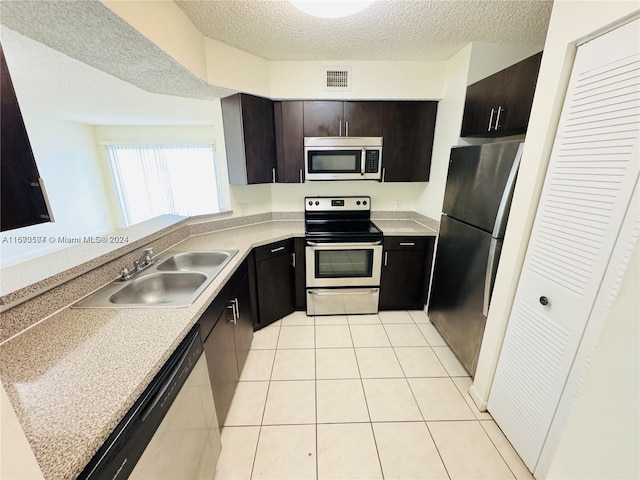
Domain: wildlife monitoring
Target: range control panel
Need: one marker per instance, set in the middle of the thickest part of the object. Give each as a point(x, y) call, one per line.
point(324, 204)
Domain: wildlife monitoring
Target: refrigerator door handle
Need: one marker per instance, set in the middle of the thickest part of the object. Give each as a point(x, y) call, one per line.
point(492, 266)
point(505, 202)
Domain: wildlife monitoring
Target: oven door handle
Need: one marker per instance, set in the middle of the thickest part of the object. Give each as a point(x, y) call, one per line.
point(342, 292)
point(345, 244)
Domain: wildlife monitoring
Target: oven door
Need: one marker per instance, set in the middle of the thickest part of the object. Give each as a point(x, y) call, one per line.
point(347, 264)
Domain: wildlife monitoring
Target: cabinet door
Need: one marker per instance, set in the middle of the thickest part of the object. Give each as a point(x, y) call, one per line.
point(220, 351)
point(517, 95)
point(323, 118)
point(300, 273)
point(362, 119)
point(243, 329)
point(289, 141)
point(249, 136)
point(276, 288)
point(259, 138)
point(481, 106)
point(405, 277)
point(22, 202)
point(408, 129)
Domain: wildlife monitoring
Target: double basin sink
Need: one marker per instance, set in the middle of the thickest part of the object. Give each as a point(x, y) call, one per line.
point(173, 281)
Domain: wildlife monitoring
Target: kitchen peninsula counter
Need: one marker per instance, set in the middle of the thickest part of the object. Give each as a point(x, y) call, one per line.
point(73, 376)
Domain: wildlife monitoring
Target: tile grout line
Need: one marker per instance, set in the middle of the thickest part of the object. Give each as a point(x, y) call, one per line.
point(498, 450)
point(364, 394)
point(266, 398)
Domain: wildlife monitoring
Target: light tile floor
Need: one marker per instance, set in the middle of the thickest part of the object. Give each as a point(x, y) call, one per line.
point(359, 397)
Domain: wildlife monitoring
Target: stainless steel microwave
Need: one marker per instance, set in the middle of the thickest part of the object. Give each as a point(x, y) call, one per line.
point(342, 158)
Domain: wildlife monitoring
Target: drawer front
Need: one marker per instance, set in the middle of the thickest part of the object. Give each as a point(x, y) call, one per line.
point(407, 243)
point(274, 249)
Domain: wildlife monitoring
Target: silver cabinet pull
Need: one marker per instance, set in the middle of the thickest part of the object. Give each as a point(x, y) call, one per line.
point(235, 302)
point(384, 170)
point(500, 110)
point(232, 306)
point(273, 175)
point(293, 259)
point(340, 131)
point(346, 128)
point(407, 244)
point(490, 120)
point(274, 250)
point(386, 258)
point(301, 179)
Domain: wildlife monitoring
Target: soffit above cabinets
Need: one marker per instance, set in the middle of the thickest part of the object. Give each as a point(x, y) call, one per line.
point(386, 30)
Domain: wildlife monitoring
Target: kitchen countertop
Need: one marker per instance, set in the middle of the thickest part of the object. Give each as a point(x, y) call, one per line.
point(72, 377)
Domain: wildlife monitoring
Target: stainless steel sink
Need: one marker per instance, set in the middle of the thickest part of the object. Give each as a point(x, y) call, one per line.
point(172, 280)
point(159, 288)
point(196, 261)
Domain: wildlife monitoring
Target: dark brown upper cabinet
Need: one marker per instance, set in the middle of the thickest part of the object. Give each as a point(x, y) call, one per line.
point(342, 119)
point(407, 130)
point(250, 139)
point(23, 201)
point(289, 141)
point(500, 104)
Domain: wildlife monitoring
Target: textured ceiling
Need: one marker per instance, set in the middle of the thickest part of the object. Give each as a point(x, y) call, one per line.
point(386, 30)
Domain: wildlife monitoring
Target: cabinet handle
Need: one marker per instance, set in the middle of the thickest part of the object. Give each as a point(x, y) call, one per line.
point(384, 170)
point(346, 128)
point(500, 110)
point(235, 302)
point(273, 175)
point(274, 250)
point(386, 258)
point(407, 244)
point(490, 120)
point(293, 259)
point(301, 179)
point(340, 131)
point(232, 306)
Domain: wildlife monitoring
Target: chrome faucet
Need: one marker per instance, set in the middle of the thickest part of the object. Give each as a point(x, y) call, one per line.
point(138, 265)
point(144, 261)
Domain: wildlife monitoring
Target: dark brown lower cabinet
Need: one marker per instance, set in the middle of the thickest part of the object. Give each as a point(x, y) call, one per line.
point(228, 344)
point(275, 280)
point(406, 269)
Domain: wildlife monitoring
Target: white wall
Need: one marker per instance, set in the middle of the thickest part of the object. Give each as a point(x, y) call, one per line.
point(490, 58)
point(447, 133)
point(570, 22)
point(17, 460)
point(369, 80)
point(67, 157)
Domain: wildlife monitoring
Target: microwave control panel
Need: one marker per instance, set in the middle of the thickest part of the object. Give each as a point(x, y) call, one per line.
point(372, 161)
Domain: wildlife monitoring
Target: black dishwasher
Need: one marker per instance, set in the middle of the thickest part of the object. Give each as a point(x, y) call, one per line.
point(135, 436)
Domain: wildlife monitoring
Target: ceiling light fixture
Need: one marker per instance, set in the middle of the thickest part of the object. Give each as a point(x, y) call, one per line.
point(331, 8)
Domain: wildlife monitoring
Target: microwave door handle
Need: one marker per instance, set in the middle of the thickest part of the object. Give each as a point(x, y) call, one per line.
point(362, 160)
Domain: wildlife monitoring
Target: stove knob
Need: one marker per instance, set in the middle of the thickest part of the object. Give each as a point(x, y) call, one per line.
point(310, 202)
point(358, 202)
point(317, 202)
point(364, 202)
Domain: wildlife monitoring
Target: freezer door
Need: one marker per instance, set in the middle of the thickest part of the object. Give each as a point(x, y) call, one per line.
point(458, 293)
point(477, 180)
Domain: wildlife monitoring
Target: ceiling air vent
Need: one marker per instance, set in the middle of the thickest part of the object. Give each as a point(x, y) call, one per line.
point(338, 79)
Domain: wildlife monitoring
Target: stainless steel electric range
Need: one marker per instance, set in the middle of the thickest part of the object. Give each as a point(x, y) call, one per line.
point(343, 256)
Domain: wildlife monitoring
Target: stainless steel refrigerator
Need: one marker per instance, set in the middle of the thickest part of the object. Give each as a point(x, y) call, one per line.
point(476, 206)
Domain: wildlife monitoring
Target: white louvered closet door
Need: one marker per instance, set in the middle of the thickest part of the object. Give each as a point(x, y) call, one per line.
point(592, 172)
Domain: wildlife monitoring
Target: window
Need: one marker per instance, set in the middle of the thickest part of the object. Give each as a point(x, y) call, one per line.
point(152, 180)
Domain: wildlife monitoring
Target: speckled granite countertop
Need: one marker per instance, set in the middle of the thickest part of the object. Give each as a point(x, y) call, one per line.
point(404, 227)
point(73, 377)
